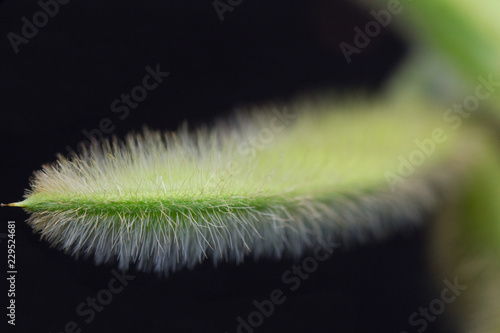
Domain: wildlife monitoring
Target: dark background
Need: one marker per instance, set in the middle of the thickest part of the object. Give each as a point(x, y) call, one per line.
point(63, 82)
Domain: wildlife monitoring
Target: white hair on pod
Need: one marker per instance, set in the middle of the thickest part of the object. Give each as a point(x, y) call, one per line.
point(262, 184)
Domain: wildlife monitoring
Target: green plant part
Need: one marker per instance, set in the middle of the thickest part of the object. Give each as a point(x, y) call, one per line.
point(264, 183)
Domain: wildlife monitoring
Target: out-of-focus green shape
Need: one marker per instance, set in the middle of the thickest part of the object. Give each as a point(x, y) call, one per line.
point(466, 245)
point(453, 43)
point(463, 35)
point(467, 32)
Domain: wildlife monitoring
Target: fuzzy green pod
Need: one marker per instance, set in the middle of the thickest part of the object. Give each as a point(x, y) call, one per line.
point(268, 182)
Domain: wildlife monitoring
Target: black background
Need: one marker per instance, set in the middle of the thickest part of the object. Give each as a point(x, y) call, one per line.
point(64, 80)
